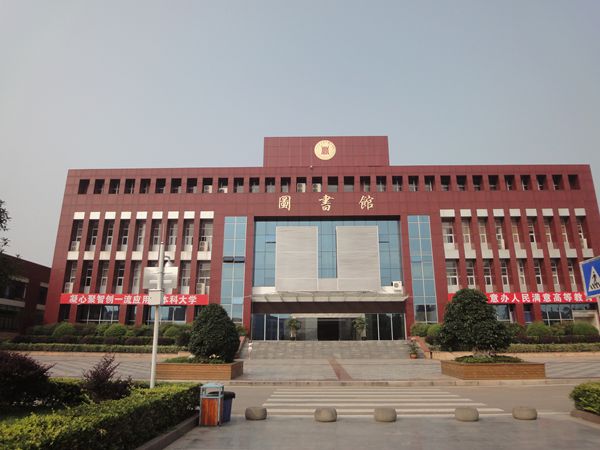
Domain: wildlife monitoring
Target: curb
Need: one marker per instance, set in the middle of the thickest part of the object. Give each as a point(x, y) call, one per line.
point(162, 441)
point(408, 383)
point(585, 415)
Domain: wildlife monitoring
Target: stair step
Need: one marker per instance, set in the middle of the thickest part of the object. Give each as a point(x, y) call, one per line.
point(326, 349)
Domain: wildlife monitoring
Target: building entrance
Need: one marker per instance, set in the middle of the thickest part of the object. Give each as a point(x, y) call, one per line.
point(328, 329)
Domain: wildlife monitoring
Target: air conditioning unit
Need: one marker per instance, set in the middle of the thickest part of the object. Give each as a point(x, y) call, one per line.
point(223, 190)
point(68, 288)
point(301, 187)
point(207, 189)
point(203, 246)
point(201, 288)
point(397, 285)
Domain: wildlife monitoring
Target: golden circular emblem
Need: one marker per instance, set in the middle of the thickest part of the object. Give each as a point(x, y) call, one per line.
point(325, 150)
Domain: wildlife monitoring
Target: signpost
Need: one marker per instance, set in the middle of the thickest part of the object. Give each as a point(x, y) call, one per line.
point(155, 278)
point(590, 274)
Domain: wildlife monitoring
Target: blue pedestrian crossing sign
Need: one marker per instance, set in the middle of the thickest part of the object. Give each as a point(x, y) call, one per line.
point(590, 274)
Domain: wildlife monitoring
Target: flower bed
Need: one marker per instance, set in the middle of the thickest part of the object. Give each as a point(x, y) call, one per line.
point(494, 371)
point(122, 424)
point(190, 371)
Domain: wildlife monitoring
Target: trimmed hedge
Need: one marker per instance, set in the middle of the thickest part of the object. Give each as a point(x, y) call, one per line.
point(566, 339)
point(587, 397)
point(537, 348)
point(108, 340)
point(419, 329)
point(113, 424)
point(25, 347)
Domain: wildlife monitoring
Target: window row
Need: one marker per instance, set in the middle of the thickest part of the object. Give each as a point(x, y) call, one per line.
point(555, 231)
point(115, 282)
point(133, 232)
point(395, 183)
point(504, 278)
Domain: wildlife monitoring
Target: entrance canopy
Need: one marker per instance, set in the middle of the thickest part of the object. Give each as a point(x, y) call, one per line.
point(271, 295)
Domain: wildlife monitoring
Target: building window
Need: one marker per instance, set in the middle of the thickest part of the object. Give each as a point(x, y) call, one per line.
point(92, 235)
point(203, 278)
point(206, 234)
point(461, 182)
point(173, 314)
point(76, 233)
point(477, 183)
point(564, 232)
point(136, 276)
point(348, 184)
point(503, 313)
point(70, 277)
point(422, 269)
point(471, 274)
point(525, 182)
point(188, 235)
point(541, 182)
point(161, 184)
point(254, 185)
point(381, 183)
point(191, 186)
point(500, 234)
point(317, 184)
point(509, 181)
point(451, 275)
point(487, 276)
point(184, 277)
point(522, 277)
point(222, 185)
point(448, 232)
point(493, 181)
point(413, 184)
point(429, 183)
point(107, 238)
point(98, 186)
point(140, 231)
point(548, 230)
point(555, 277)
point(207, 185)
point(83, 186)
point(539, 280)
point(119, 279)
point(285, 184)
point(573, 182)
point(97, 313)
point(466, 231)
point(234, 266)
point(270, 185)
point(332, 184)
point(581, 233)
point(102, 285)
point(445, 182)
point(176, 187)
point(531, 230)
point(123, 235)
point(155, 235)
point(145, 186)
point(172, 228)
point(397, 183)
point(570, 267)
point(482, 232)
point(557, 182)
point(113, 186)
point(504, 275)
point(301, 184)
point(86, 277)
point(514, 226)
point(365, 184)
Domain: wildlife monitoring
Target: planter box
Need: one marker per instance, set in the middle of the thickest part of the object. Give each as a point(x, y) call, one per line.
point(199, 372)
point(494, 371)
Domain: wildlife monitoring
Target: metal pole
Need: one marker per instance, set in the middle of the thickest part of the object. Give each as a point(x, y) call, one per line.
point(159, 285)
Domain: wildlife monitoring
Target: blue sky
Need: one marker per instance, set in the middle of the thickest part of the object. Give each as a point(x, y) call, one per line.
point(99, 84)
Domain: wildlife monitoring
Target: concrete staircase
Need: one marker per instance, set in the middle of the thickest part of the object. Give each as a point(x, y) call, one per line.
point(326, 349)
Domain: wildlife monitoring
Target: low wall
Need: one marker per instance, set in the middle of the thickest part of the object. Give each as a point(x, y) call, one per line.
point(494, 371)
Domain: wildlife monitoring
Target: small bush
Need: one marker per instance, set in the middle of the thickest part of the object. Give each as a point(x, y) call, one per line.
point(63, 392)
point(587, 397)
point(100, 329)
point(64, 329)
point(488, 359)
point(101, 384)
point(434, 331)
point(112, 340)
point(584, 329)
point(85, 329)
point(538, 329)
point(115, 330)
point(92, 340)
point(22, 379)
point(214, 333)
point(68, 339)
point(114, 424)
point(514, 329)
point(419, 329)
point(241, 329)
point(42, 330)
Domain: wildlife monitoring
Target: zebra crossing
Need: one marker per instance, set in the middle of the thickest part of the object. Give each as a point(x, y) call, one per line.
point(350, 401)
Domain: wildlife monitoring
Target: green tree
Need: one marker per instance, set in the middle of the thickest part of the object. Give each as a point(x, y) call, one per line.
point(6, 266)
point(470, 325)
point(214, 333)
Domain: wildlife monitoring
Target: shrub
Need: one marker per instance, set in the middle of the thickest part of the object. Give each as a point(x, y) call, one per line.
point(112, 340)
point(514, 330)
point(488, 359)
point(100, 329)
point(92, 340)
point(64, 329)
point(241, 329)
point(470, 324)
point(184, 338)
point(114, 424)
point(63, 392)
point(538, 329)
point(101, 384)
point(419, 329)
point(138, 340)
point(173, 331)
point(587, 397)
point(85, 329)
point(68, 339)
point(214, 333)
point(535, 348)
point(115, 330)
point(89, 348)
point(433, 331)
point(559, 329)
point(42, 330)
point(584, 329)
point(22, 379)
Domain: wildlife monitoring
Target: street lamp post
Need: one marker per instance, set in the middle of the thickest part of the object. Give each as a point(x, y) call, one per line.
point(156, 298)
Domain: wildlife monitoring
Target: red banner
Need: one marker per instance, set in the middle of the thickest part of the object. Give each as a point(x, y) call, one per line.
point(132, 299)
point(500, 298)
